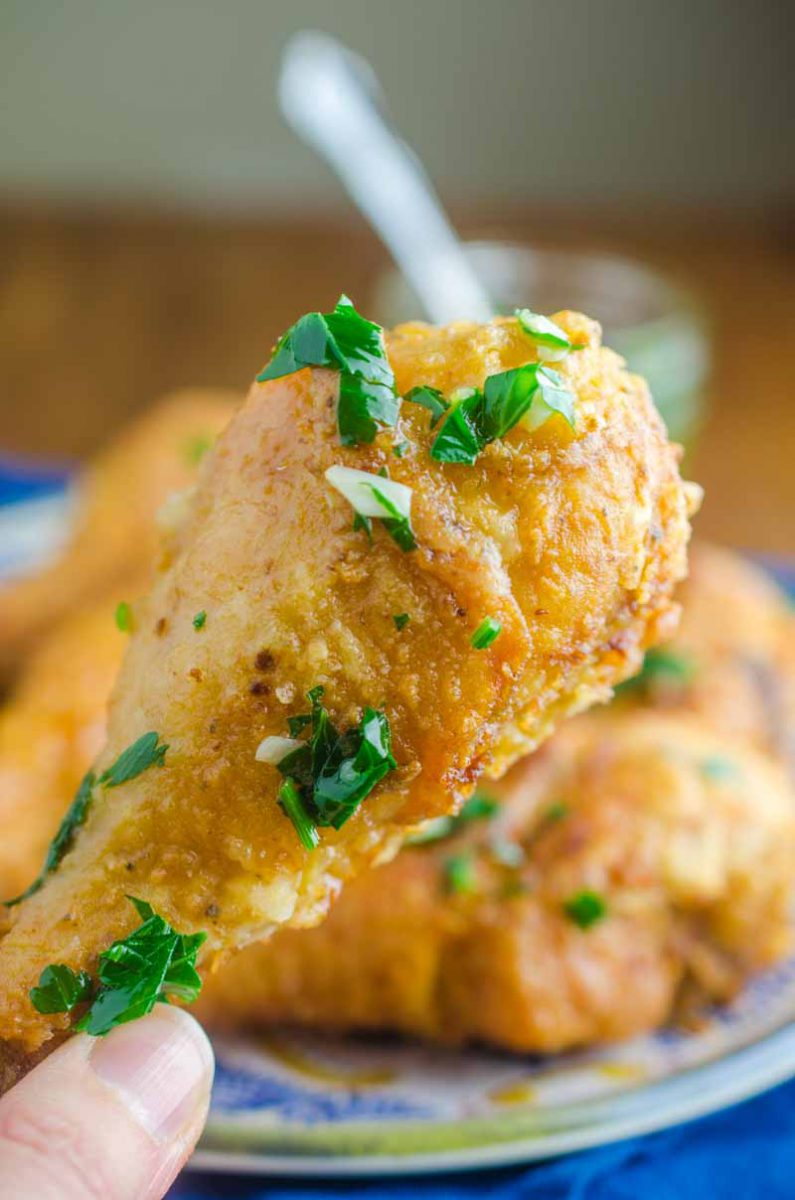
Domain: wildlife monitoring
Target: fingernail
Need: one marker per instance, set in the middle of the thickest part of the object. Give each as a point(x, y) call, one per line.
point(161, 1066)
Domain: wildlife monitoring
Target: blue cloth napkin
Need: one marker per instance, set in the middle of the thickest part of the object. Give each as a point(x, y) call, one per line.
point(738, 1154)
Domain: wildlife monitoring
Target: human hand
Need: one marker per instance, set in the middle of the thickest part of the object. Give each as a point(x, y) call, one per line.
point(113, 1117)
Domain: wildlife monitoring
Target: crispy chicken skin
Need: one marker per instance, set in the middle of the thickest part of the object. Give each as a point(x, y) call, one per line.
point(690, 846)
point(51, 731)
point(114, 537)
point(53, 726)
point(574, 540)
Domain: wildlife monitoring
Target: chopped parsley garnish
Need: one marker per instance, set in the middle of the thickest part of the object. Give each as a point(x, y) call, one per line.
point(552, 343)
point(62, 842)
point(585, 908)
point(531, 393)
point(430, 398)
point(199, 620)
point(460, 876)
point(123, 616)
point(401, 620)
point(398, 523)
point(487, 632)
point(147, 752)
point(329, 774)
point(363, 523)
point(153, 963)
point(196, 448)
point(60, 989)
point(347, 342)
point(479, 807)
point(660, 665)
point(400, 448)
point(555, 812)
point(376, 496)
point(143, 753)
point(293, 807)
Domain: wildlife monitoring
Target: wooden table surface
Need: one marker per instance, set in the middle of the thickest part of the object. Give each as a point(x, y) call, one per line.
point(100, 312)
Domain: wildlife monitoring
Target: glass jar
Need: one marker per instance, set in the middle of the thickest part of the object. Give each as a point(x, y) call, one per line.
point(652, 322)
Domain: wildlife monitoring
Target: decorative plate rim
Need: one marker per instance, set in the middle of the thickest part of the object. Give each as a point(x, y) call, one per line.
point(727, 1080)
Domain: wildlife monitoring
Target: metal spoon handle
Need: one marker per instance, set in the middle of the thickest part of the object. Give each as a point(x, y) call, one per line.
point(330, 98)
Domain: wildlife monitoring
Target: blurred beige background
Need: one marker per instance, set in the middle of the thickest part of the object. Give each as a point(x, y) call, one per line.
point(682, 102)
point(159, 224)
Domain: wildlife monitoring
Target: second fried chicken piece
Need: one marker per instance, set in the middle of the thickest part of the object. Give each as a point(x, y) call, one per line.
point(732, 661)
point(114, 537)
point(51, 730)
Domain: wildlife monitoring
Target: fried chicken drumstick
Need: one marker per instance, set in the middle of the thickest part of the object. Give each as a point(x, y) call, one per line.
point(566, 541)
point(396, 928)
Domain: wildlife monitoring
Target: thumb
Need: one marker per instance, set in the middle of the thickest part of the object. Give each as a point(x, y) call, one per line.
point(113, 1117)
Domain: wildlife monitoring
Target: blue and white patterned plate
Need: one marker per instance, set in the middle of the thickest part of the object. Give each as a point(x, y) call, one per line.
point(300, 1104)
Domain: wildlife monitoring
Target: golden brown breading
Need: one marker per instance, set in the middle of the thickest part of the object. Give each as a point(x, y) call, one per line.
point(574, 540)
point(50, 732)
point(53, 726)
point(690, 846)
point(114, 538)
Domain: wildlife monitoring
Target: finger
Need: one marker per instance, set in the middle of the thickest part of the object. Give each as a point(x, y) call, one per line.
point(112, 1117)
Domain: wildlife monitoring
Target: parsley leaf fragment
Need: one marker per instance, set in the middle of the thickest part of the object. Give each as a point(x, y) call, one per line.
point(199, 620)
point(531, 392)
point(147, 751)
point(329, 775)
point(555, 812)
point(365, 524)
point(60, 989)
point(397, 524)
point(196, 447)
point(153, 963)
point(347, 342)
point(144, 753)
point(123, 616)
point(487, 632)
point(459, 874)
point(661, 665)
point(479, 807)
point(585, 908)
point(552, 343)
point(401, 620)
point(376, 496)
point(430, 398)
point(62, 842)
